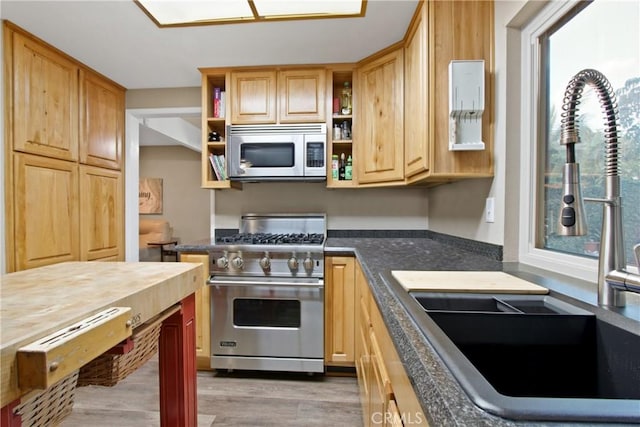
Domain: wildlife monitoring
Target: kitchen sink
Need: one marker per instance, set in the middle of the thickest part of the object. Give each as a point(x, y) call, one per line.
point(484, 303)
point(533, 357)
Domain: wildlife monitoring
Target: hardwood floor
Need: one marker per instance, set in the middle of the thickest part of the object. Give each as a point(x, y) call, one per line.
point(236, 399)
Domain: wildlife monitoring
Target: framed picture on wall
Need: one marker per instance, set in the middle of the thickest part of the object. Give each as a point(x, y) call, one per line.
point(150, 196)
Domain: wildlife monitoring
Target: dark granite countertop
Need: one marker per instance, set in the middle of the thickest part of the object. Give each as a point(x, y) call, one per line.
point(441, 396)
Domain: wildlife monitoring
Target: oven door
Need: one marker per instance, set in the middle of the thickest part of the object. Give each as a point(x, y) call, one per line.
point(267, 318)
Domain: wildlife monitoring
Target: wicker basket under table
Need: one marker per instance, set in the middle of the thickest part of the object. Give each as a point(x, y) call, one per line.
point(108, 369)
point(49, 407)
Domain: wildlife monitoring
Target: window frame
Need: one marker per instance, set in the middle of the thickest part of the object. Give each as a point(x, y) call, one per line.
point(531, 153)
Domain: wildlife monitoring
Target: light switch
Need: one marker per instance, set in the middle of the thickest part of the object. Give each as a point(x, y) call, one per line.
point(489, 210)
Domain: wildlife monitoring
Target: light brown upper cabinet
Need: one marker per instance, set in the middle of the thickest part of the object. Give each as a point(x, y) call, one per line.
point(379, 135)
point(64, 142)
point(302, 95)
point(45, 100)
point(416, 93)
point(278, 96)
point(442, 31)
point(101, 121)
point(253, 97)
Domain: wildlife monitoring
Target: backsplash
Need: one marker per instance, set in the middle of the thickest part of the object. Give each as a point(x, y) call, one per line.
point(346, 209)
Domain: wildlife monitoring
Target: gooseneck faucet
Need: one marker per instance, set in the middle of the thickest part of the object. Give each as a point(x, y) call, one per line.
point(613, 279)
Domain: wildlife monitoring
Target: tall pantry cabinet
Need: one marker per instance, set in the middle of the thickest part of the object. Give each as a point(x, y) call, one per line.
point(64, 130)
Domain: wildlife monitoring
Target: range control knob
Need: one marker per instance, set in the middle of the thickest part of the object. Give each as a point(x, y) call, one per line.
point(308, 263)
point(223, 261)
point(265, 261)
point(238, 262)
point(293, 263)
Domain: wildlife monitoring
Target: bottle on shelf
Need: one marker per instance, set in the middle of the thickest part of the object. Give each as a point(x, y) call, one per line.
point(334, 167)
point(337, 132)
point(348, 169)
point(341, 169)
point(345, 99)
point(346, 130)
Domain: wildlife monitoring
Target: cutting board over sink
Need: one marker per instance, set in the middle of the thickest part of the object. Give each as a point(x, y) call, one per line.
point(495, 282)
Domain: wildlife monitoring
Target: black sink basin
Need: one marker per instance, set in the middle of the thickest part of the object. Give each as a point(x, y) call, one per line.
point(547, 356)
point(534, 357)
point(469, 302)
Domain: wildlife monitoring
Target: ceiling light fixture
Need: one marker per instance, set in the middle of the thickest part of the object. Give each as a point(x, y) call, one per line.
point(180, 13)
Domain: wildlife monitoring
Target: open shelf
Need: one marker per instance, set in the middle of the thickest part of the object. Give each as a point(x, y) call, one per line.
point(214, 121)
point(343, 145)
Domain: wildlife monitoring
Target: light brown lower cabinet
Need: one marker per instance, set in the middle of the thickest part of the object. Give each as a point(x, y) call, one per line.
point(203, 314)
point(339, 311)
point(386, 393)
point(395, 417)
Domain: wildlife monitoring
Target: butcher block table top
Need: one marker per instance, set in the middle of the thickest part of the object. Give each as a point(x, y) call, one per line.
point(35, 303)
point(465, 281)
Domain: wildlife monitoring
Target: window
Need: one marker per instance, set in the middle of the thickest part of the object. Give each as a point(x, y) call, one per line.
point(567, 38)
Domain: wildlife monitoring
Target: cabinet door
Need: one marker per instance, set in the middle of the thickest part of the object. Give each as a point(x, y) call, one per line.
point(339, 310)
point(253, 97)
point(394, 419)
point(302, 95)
point(379, 139)
point(448, 42)
point(362, 319)
point(203, 317)
point(416, 147)
point(45, 211)
point(101, 214)
point(101, 121)
point(362, 350)
point(45, 101)
point(380, 388)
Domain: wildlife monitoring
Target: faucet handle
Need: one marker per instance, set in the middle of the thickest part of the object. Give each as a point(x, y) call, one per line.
point(636, 251)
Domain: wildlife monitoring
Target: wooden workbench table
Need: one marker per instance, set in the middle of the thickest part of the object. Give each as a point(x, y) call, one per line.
point(35, 303)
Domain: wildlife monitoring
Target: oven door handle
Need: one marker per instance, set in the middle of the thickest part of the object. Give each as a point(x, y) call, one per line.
point(315, 284)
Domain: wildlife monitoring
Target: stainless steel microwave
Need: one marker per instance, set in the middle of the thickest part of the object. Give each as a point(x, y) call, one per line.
point(277, 152)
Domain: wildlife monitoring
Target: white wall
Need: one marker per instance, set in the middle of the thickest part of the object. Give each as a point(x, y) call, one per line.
point(185, 204)
point(361, 209)
point(458, 209)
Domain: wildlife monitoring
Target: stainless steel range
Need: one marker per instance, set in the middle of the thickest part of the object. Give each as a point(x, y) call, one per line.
point(267, 294)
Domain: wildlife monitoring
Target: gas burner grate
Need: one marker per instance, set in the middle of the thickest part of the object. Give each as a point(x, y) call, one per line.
point(273, 239)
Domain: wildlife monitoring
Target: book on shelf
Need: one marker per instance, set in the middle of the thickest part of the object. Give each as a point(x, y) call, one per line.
point(222, 166)
point(223, 104)
point(218, 166)
point(219, 103)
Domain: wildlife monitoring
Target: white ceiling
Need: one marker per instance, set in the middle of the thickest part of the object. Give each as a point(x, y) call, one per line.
point(117, 39)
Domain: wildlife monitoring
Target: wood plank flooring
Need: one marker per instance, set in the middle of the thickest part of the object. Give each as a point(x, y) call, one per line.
point(235, 399)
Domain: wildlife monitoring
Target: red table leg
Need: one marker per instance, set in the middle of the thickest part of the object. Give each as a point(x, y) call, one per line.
point(8, 418)
point(177, 358)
